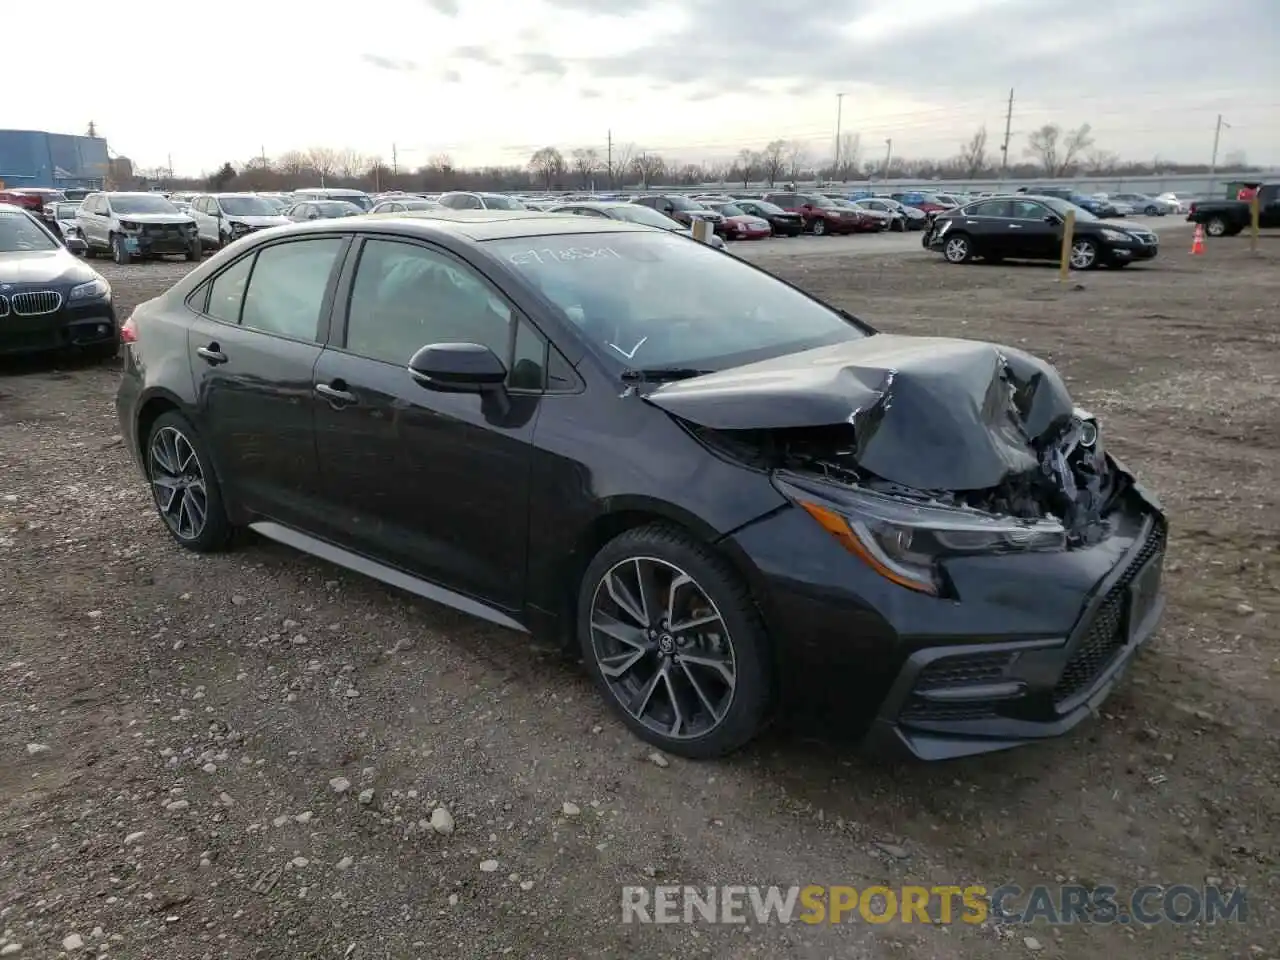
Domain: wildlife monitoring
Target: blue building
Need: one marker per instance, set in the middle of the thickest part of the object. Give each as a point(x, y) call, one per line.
point(33, 158)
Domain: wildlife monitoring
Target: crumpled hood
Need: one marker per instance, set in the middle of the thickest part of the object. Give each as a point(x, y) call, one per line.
point(930, 413)
point(164, 219)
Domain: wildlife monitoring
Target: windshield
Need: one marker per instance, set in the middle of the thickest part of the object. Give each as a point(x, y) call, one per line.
point(684, 204)
point(766, 208)
point(66, 211)
point(822, 203)
point(247, 206)
point(1063, 207)
point(731, 210)
point(141, 203)
point(634, 213)
point(337, 208)
point(19, 234)
point(646, 300)
point(495, 202)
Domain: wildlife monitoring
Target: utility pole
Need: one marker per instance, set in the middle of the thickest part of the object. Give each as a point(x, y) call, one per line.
point(1008, 129)
point(835, 166)
point(262, 155)
point(888, 156)
point(608, 164)
point(395, 164)
point(1213, 162)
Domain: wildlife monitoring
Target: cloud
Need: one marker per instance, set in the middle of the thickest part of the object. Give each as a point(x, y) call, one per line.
point(451, 76)
point(476, 54)
point(448, 8)
point(388, 63)
point(542, 63)
point(588, 93)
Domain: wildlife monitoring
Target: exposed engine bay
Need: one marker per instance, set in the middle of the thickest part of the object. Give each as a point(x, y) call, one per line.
point(943, 422)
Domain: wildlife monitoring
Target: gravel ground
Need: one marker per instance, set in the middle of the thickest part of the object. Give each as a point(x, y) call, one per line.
point(259, 755)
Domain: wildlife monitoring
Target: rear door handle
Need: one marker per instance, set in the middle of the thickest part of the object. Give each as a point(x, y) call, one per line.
point(212, 355)
point(1015, 226)
point(335, 394)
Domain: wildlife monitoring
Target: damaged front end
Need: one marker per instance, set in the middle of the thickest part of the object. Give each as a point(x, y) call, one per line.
point(915, 449)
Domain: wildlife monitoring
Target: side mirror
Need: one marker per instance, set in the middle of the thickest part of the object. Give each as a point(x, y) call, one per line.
point(76, 245)
point(458, 368)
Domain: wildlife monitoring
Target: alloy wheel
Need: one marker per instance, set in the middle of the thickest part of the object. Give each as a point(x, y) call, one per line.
point(178, 483)
point(1216, 227)
point(1083, 254)
point(957, 249)
point(663, 648)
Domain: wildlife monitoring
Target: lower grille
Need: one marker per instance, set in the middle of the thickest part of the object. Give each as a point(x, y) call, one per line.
point(35, 303)
point(1107, 634)
point(924, 711)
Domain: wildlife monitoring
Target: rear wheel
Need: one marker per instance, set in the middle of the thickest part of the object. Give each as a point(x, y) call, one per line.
point(1084, 255)
point(673, 640)
point(1216, 227)
point(185, 489)
point(958, 248)
point(1151, 210)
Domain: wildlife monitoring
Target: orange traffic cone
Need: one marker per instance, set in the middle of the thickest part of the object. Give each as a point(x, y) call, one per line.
point(1197, 241)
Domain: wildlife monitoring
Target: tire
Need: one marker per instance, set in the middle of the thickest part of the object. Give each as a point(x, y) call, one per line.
point(731, 678)
point(957, 248)
point(1216, 227)
point(194, 252)
point(1084, 254)
point(118, 252)
point(1151, 210)
point(175, 452)
point(819, 227)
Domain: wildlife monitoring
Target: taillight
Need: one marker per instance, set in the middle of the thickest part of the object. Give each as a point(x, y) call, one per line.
point(129, 332)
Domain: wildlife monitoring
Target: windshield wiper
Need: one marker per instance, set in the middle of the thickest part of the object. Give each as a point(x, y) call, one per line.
point(661, 374)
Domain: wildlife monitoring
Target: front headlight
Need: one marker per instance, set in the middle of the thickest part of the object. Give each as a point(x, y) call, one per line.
point(1115, 236)
point(905, 541)
point(95, 289)
point(130, 226)
point(238, 226)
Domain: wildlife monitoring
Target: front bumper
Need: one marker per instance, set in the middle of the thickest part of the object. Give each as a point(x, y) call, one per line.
point(787, 227)
point(1133, 252)
point(159, 243)
point(1031, 647)
point(74, 325)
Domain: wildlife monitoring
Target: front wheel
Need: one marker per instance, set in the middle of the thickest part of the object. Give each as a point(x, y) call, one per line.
point(1084, 255)
point(958, 248)
point(819, 227)
point(1151, 211)
point(119, 252)
point(195, 251)
point(1216, 227)
point(673, 640)
point(185, 489)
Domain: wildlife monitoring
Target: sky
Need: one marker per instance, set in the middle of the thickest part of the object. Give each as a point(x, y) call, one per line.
point(491, 81)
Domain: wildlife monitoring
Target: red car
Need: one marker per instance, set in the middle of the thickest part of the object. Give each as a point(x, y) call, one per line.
point(738, 224)
point(822, 215)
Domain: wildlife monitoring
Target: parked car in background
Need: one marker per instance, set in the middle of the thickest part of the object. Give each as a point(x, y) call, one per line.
point(1121, 208)
point(1144, 204)
point(50, 300)
point(223, 218)
point(1029, 227)
point(1225, 218)
point(357, 197)
point(869, 221)
point(1099, 208)
point(61, 217)
point(466, 200)
point(405, 204)
point(906, 218)
point(928, 202)
point(628, 212)
point(695, 476)
point(682, 209)
point(321, 210)
point(821, 215)
point(132, 225)
point(781, 222)
point(1177, 204)
point(738, 223)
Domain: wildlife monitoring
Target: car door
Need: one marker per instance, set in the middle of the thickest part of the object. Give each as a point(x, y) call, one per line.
point(435, 484)
point(206, 226)
point(92, 221)
point(253, 346)
point(987, 224)
point(1038, 230)
point(1269, 206)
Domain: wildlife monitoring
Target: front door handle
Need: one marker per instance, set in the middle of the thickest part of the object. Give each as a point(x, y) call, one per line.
point(1015, 226)
point(212, 355)
point(335, 394)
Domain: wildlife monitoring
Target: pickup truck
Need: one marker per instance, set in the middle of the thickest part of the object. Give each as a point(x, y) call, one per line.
point(1226, 218)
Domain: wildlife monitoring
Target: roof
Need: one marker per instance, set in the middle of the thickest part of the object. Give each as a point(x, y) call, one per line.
point(595, 204)
point(479, 224)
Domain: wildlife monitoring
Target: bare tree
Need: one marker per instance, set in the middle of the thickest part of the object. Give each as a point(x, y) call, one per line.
point(1101, 162)
point(748, 161)
point(850, 156)
point(586, 162)
point(292, 164)
point(323, 160)
point(1055, 151)
point(349, 164)
point(973, 153)
point(797, 157)
point(773, 160)
point(649, 167)
point(623, 155)
point(547, 163)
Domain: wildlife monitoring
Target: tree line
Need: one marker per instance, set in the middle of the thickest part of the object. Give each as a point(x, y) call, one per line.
point(1050, 151)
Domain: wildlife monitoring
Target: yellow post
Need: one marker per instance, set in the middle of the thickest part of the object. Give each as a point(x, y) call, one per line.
point(1255, 211)
point(1068, 232)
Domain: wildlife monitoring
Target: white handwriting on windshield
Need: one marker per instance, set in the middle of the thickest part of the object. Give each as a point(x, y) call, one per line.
point(567, 255)
point(630, 355)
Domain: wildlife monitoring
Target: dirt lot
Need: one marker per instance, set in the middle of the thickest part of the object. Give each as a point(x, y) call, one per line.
point(172, 727)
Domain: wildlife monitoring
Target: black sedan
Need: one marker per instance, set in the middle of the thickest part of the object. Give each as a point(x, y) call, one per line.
point(784, 224)
point(50, 299)
point(721, 492)
point(1029, 227)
